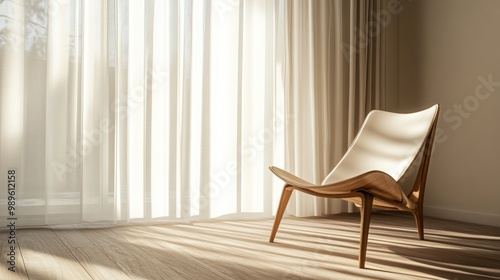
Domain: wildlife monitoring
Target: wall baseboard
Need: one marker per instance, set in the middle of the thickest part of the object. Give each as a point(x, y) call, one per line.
point(463, 216)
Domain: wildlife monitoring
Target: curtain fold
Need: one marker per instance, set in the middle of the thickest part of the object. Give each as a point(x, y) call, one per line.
point(123, 110)
point(334, 67)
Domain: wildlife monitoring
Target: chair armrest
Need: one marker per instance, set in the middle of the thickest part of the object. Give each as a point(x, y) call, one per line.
point(290, 178)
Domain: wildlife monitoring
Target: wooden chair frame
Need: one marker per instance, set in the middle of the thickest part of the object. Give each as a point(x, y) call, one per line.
point(373, 189)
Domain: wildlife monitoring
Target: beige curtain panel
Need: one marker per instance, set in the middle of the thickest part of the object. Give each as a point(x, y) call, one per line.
point(334, 75)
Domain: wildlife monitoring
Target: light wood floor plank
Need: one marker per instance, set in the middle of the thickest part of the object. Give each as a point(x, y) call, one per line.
point(95, 262)
point(231, 255)
point(170, 252)
point(305, 248)
point(20, 270)
point(132, 258)
point(46, 257)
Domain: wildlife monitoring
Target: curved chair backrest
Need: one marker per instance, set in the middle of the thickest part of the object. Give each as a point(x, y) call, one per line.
point(387, 142)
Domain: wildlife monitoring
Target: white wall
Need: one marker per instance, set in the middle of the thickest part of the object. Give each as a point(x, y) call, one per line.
point(447, 49)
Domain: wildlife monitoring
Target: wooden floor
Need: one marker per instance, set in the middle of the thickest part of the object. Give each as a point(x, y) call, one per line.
point(305, 248)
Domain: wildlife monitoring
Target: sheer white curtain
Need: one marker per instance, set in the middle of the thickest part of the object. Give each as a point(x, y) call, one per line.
point(334, 75)
point(123, 110)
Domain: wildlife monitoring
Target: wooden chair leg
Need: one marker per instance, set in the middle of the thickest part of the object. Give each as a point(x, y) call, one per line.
point(285, 197)
point(419, 219)
point(366, 211)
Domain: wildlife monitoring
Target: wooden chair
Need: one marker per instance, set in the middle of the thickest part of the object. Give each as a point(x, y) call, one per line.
point(370, 172)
